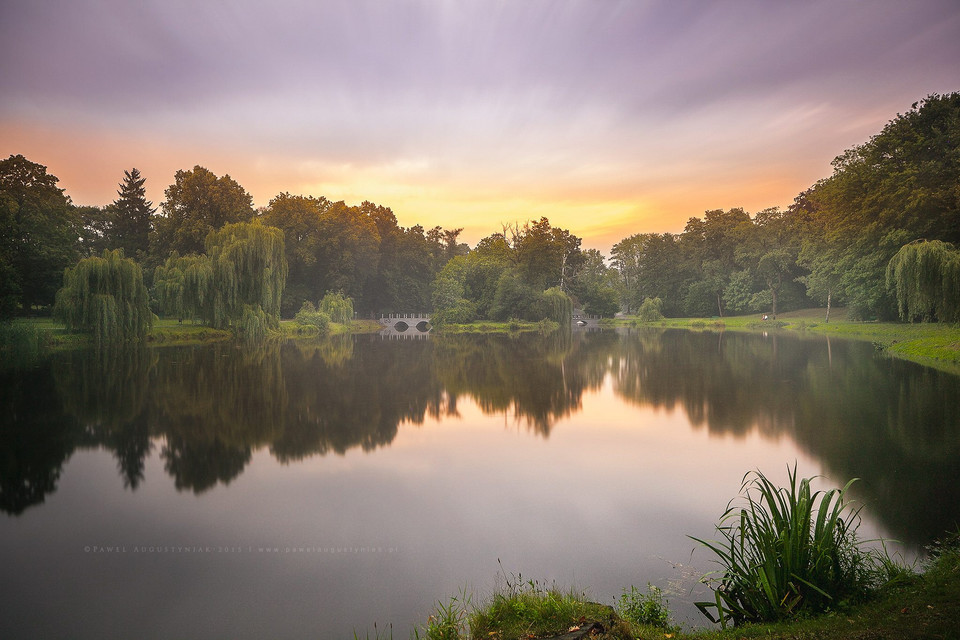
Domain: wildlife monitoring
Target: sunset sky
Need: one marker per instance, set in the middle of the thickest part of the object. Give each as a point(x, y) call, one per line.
point(610, 118)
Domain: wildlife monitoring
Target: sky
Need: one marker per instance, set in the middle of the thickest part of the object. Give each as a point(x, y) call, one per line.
point(609, 118)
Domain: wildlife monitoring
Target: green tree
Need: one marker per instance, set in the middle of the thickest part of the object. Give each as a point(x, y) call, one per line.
point(926, 279)
point(94, 229)
point(653, 265)
point(595, 285)
point(299, 217)
point(769, 248)
point(249, 271)
point(238, 282)
point(106, 297)
point(130, 216)
point(183, 285)
point(545, 256)
point(197, 203)
point(898, 187)
point(338, 307)
point(39, 233)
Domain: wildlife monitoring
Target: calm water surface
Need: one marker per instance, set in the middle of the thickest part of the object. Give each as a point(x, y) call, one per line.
point(310, 490)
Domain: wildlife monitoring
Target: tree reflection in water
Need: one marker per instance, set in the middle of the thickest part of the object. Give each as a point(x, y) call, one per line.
point(894, 424)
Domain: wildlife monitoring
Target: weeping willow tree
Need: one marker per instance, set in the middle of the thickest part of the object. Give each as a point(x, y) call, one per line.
point(183, 286)
point(238, 282)
point(338, 306)
point(249, 269)
point(556, 306)
point(106, 297)
point(926, 278)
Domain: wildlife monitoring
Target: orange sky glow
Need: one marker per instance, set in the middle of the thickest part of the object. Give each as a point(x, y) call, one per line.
point(608, 118)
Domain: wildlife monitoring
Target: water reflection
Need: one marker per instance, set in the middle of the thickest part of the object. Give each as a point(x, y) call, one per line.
point(893, 424)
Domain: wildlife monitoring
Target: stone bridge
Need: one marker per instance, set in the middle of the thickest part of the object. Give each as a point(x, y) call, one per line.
point(406, 322)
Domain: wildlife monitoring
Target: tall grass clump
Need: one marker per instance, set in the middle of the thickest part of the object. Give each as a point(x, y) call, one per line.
point(787, 552)
point(528, 609)
point(448, 621)
point(648, 608)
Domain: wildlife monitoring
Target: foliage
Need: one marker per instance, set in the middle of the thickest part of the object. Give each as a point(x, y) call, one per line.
point(182, 286)
point(553, 304)
point(38, 235)
point(789, 551)
point(337, 307)
point(449, 621)
point(650, 310)
point(594, 285)
point(244, 266)
point(897, 188)
point(461, 312)
point(254, 324)
point(526, 609)
point(197, 203)
point(648, 608)
point(926, 279)
point(249, 268)
point(130, 215)
point(105, 296)
point(308, 316)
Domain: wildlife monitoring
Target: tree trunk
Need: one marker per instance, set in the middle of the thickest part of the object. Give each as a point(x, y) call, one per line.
point(719, 305)
point(829, 294)
point(773, 292)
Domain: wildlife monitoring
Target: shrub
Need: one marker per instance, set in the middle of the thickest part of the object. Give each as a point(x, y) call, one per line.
point(651, 310)
point(644, 608)
point(308, 316)
point(461, 312)
point(787, 551)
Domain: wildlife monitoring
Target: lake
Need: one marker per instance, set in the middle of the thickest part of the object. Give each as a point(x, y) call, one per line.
point(312, 489)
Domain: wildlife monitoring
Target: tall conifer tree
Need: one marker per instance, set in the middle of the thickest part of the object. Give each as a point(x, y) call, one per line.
point(130, 224)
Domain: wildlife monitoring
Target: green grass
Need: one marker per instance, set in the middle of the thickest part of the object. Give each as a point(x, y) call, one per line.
point(512, 326)
point(918, 606)
point(932, 344)
point(528, 609)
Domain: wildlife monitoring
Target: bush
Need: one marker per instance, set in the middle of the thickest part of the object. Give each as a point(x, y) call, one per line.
point(651, 310)
point(787, 551)
point(462, 312)
point(308, 316)
point(644, 608)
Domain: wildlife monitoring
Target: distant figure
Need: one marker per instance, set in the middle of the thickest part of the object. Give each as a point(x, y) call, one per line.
point(765, 316)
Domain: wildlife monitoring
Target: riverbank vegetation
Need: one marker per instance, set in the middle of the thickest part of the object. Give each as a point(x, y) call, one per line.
point(879, 236)
point(791, 566)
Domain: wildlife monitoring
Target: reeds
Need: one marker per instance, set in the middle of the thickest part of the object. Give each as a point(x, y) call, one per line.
point(785, 552)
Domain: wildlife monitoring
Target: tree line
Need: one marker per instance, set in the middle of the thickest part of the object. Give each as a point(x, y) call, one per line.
point(878, 236)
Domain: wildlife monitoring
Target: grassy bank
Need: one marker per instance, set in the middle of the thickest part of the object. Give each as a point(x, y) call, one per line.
point(790, 566)
point(918, 605)
point(46, 333)
point(512, 326)
point(928, 343)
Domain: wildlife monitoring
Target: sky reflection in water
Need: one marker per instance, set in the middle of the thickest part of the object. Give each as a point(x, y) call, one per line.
point(318, 490)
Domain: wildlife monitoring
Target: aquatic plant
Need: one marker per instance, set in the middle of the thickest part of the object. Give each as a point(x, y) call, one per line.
point(787, 551)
